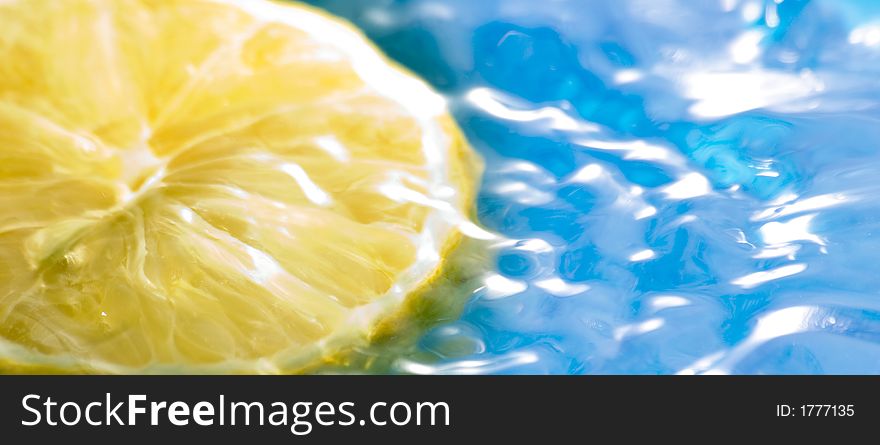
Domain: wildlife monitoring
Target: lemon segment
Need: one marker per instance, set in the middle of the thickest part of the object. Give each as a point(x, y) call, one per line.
point(211, 186)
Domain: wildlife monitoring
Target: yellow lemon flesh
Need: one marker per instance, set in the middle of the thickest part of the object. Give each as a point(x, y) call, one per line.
point(210, 186)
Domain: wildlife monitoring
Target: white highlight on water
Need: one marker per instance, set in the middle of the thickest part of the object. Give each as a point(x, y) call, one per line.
point(755, 279)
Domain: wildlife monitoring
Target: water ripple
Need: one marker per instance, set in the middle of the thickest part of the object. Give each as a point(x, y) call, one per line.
point(669, 196)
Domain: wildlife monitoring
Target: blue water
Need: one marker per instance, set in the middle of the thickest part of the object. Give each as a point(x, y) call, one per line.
point(687, 186)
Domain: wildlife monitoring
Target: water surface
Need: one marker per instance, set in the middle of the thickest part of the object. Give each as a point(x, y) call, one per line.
point(683, 186)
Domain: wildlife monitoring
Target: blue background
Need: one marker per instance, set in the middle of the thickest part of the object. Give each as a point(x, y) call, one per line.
point(687, 186)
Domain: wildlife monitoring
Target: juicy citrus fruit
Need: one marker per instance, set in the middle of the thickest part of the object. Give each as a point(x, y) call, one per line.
point(210, 185)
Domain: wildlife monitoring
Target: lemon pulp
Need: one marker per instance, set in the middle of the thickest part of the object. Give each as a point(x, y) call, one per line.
point(210, 185)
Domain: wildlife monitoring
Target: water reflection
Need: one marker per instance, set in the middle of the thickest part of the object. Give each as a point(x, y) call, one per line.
point(677, 187)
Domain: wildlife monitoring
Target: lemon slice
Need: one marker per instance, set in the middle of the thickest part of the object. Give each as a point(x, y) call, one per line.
point(211, 186)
